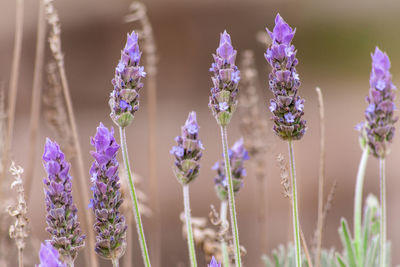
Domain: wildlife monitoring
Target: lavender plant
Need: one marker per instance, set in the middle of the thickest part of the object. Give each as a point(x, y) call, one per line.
point(214, 263)
point(286, 106)
point(124, 102)
point(49, 256)
point(62, 219)
point(223, 102)
point(187, 155)
point(110, 225)
point(237, 155)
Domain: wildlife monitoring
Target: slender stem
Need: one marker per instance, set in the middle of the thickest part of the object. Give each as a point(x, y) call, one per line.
point(358, 196)
point(83, 188)
point(235, 231)
point(321, 179)
point(36, 96)
point(190, 240)
point(296, 230)
point(305, 248)
point(115, 262)
point(383, 212)
point(136, 213)
point(224, 247)
point(20, 257)
point(12, 95)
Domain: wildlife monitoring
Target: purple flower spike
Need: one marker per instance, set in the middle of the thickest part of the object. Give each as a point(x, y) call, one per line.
point(49, 256)
point(286, 106)
point(110, 225)
point(124, 99)
point(237, 155)
point(214, 263)
point(62, 218)
point(379, 126)
point(188, 151)
point(226, 77)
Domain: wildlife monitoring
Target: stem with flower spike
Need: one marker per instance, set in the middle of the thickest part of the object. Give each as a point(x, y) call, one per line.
point(296, 230)
point(136, 213)
point(224, 246)
point(188, 220)
point(235, 231)
point(382, 235)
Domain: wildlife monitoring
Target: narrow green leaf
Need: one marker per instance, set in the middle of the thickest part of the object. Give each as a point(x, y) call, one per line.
point(348, 244)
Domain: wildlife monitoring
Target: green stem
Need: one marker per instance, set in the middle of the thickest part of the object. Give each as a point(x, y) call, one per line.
point(383, 212)
point(115, 262)
point(235, 231)
point(296, 230)
point(136, 213)
point(358, 196)
point(192, 251)
point(224, 247)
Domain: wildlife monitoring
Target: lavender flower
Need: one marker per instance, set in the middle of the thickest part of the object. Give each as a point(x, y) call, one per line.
point(110, 225)
point(379, 113)
point(49, 256)
point(124, 99)
point(237, 155)
point(223, 98)
point(286, 106)
point(214, 263)
point(188, 151)
point(62, 219)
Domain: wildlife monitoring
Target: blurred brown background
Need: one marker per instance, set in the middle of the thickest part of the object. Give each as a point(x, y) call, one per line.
point(334, 41)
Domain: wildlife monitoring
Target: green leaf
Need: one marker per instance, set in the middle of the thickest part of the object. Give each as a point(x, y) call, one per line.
point(347, 243)
point(340, 261)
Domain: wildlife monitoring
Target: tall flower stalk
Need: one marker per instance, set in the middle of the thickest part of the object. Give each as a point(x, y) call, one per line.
point(379, 128)
point(110, 225)
point(187, 153)
point(223, 102)
point(286, 106)
point(124, 102)
point(62, 214)
point(237, 155)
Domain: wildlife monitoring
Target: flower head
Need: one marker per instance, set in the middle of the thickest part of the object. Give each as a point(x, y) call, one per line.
point(110, 226)
point(226, 77)
point(214, 263)
point(124, 99)
point(286, 106)
point(187, 152)
point(62, 217)
point(379, 126)
point(49, 256)
point(237, 155)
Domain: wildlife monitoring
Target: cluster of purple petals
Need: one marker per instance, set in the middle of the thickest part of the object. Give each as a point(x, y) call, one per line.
point(110, 225)
point(124, 99)
point(286, 106)
point(49, 256)
point(214, 263)
point(61, 218)
point(237, 155)
point(188, 151)
point(226, 76)
point(379, 126)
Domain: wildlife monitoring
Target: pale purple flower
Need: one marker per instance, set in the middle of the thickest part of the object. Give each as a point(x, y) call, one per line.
point(49, 256)
point(214, 263)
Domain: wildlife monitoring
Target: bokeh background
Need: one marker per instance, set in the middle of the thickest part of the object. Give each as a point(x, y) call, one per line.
point(334, 41)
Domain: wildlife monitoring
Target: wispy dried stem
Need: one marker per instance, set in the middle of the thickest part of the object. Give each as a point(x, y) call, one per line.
point(321, 178)
point(19, 230)
point(83, 188)
point(138, 14)
point(254, 129)
point(287, 194)
point(12, 93)
point(36, 97)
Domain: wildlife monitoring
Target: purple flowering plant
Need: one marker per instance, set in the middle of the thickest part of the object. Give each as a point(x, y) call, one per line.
point(49, 256)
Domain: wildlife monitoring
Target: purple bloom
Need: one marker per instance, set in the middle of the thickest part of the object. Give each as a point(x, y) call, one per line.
point(237, 155)
point(49, 256)
point(187, 152)
point(110, 226)
point(226, 76)
point(62, 218)
point(379, 126)
point(124, 100)
point(287, 106)
point(214, 263)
